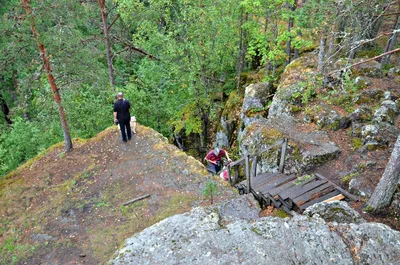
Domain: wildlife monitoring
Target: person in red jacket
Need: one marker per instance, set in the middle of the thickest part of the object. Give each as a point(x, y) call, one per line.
point(214, 159)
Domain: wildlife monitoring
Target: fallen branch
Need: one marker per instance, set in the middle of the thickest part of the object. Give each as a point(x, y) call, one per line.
point(365, 61)
point(137, 199)
point(134, 48)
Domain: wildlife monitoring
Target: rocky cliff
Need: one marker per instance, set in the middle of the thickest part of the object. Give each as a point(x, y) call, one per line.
point(232, 233)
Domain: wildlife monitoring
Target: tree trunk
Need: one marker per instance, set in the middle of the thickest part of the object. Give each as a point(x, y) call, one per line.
point(242, 48)
point(289, 42)
point(330, 47)
point(50, 78)
point(103, 8)
point(387, 185)
point(321, 54)
point(391, 42)
point(5, 109)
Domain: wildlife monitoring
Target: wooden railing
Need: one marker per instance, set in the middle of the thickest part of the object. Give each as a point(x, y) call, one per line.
point(251, 172)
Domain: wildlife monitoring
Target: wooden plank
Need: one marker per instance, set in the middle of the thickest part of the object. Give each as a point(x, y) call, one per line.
point(282, 179)
point(237, 162)
point(344, 192)
point(314, 193)
point(274, 202)
point(336, 198)
point(262, 178)
point(236, 175)
point(296, 188)
point(283, 186)
point(308, 187)
point(283, 155)
point(328, 196)
point(247, 170)
point(254, 167)
point(229, 175)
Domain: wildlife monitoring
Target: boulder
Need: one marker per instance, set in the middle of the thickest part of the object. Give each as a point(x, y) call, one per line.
point(386, 113)
point(206, 236)
point(370, 137)
point(369, 69)
point(290, 89)
point(306, 148)
point(393, 72)
point(362, 82)
point(368, 96)
point(337, 211)
point(255, 99)
point(229, 121)
point(360, 186)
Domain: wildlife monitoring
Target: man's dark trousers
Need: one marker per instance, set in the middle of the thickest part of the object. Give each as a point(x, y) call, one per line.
point(125, 124)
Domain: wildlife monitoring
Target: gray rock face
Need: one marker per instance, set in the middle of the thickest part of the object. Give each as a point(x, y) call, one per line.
point(358, 186)
point(254, 102)
point(209, 236)
point(337, 211)
point(306, 149)
point(387, 112)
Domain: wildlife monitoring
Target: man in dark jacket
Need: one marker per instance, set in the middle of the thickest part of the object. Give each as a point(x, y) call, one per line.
point(122, 116)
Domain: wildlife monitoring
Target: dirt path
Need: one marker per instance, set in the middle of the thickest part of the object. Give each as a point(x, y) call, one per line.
point(67, 208)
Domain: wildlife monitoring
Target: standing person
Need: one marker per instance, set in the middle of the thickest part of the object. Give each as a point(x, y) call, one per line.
point(214, 159)
point(122, 116)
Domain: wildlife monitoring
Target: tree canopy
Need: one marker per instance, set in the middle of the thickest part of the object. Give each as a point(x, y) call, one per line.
point(175, 60)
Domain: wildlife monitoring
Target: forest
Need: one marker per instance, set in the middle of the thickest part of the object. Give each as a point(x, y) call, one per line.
point(177, 61)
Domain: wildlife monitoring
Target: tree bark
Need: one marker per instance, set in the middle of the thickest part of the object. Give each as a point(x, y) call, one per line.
point(242, 48)
point(289, 42)
point(387, 185)
point(103, 8)
point(391, 42)
point(331, 44)
point(5, 109)
point(321, 54)
point(50, 77)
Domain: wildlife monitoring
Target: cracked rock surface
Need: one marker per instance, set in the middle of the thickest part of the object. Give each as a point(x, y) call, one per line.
point(216, 236)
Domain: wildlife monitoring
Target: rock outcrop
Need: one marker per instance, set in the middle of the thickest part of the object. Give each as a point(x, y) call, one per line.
point(217, 236)
point(307, 146)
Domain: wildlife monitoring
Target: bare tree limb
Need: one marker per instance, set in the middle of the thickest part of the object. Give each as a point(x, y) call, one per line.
point(136, 199)
point(112, 23)
point(134, 48)
point(365, 61)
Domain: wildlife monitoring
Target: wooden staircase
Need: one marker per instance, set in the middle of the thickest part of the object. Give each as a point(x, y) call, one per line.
point(287, 192)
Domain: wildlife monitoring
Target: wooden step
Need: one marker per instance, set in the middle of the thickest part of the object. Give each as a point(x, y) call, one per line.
point(321, 199)
point(314, 193)
point(302, 188)
point(275, 183)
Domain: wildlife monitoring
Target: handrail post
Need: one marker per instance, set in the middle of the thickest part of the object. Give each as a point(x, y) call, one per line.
point(247, 165)
point(229, 174)
point(254, 167)
point(283, 155)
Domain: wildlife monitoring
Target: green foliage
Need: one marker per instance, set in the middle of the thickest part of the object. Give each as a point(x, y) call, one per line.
point(356, 143)
point(346, 179)
point(210, 190)
point(23, 141)
point(12, 251)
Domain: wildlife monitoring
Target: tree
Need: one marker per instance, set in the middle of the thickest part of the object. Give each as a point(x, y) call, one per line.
point(392, 41)
point(103, 8)
point(387, 185)
point(50, 77)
